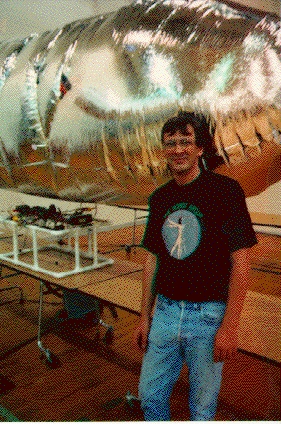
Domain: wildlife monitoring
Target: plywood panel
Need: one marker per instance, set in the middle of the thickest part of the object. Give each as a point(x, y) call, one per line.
point(260, 325)
point(265, 218)
point(124, 291)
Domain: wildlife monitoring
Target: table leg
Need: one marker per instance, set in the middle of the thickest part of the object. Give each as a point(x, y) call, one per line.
point(51, 359)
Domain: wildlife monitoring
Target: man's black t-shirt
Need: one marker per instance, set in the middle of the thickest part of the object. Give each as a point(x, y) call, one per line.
point(193, 229)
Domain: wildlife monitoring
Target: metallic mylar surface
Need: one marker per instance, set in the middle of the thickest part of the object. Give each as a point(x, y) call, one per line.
point(81, 108)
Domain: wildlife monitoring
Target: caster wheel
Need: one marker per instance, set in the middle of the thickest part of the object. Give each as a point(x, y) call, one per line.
point(108, 337)
point(51, 360)
point(128, 249)
point(131, 400)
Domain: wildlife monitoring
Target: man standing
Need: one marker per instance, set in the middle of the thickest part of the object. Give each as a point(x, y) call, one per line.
point(198, 237)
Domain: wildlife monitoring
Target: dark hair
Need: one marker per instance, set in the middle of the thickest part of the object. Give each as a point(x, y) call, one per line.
point(203, 136)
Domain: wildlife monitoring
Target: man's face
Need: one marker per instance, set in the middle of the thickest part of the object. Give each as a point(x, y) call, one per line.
point(181, 151)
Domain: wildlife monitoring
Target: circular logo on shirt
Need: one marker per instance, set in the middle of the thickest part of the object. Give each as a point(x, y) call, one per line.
point(181, 233)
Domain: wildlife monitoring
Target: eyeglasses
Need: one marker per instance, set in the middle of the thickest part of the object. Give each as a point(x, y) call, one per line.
point(172, 144)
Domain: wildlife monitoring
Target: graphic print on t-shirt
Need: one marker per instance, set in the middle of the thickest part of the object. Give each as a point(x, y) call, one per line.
point(181, 233)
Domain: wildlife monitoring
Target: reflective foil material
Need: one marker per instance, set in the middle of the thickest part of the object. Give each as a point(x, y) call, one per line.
point(82, 107)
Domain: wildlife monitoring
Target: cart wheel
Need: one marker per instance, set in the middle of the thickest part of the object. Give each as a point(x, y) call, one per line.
point(113, 311)
point(131, 400)
point(108, 337)
point(52, 361)
point(128, 249)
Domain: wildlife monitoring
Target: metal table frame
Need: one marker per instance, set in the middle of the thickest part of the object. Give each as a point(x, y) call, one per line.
point(49, 284)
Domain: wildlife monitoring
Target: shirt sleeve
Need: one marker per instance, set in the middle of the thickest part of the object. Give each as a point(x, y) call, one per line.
point(150, 240)
point(238, 225)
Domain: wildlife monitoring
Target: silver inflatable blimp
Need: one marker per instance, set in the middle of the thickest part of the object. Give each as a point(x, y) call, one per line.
point(81, 108)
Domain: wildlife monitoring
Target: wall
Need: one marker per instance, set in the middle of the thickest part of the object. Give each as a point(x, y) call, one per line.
point(267, 202)
point(19, 18)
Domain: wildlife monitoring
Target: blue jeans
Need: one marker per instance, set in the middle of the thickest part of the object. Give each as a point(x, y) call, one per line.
point(181, 331)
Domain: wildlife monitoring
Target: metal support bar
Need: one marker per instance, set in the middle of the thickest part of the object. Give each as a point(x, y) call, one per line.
point(15, 242)
point(12, 287)
point(40, 317)
point(35, 248)
point(51, 359)
point(76, 248)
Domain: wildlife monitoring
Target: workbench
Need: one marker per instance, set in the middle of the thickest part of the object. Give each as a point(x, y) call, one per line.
point(118, 283)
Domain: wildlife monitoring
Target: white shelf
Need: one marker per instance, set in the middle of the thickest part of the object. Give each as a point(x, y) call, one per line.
point(74, 267)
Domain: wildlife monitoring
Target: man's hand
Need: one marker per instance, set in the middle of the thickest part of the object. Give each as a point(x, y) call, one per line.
point(226, 340)
point(226, 343)
point(141, 334)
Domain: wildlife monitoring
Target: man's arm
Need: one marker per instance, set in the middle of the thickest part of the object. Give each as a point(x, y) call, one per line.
point(226, 340)
point(148, 298)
